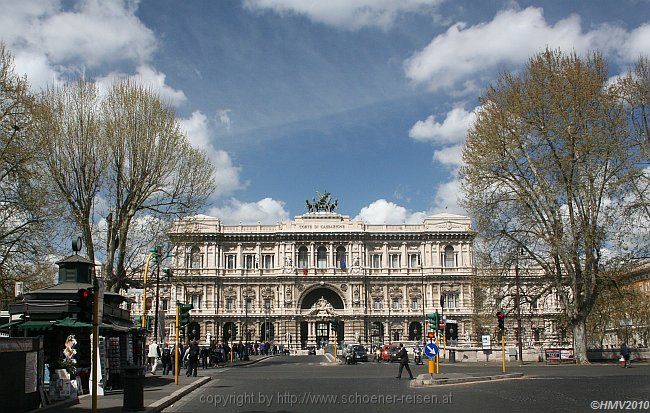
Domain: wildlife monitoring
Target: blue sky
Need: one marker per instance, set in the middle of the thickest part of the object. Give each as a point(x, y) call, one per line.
point(367, 99)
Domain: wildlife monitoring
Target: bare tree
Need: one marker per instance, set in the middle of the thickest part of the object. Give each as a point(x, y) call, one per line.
point(23, 199)
point(549, 163)
point(152, 168)
point(68, 124)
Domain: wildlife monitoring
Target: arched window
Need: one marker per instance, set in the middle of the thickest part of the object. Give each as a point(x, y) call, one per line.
point(321, 257)
point(195, 257)
point(302, 257)
point(449, 256)
point(340, 258)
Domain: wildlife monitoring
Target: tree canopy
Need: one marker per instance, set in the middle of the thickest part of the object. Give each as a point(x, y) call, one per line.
point(550, 164)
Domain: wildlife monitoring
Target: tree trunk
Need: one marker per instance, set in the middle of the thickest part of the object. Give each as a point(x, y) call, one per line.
point(580, 341)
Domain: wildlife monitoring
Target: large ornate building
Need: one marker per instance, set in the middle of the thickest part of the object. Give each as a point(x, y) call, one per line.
point(286, 283)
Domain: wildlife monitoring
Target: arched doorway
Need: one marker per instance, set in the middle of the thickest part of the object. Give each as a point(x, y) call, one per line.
point(229, 331)
point(267, 332)
point(316, 294)
point(415, 331)
point(377, 332)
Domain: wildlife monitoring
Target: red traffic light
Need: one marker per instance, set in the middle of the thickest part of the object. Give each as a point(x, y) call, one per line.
point(84, 294)
point(501, 314)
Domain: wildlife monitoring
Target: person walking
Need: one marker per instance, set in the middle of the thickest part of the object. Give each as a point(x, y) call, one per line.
point(625, 353)
point(204, 357)
point(166, 360)
point(153, 354)
point(403, 357)
point(193, 359)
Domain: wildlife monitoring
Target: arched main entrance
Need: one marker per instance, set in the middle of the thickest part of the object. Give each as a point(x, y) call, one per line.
point(229, 331)
point(316, 294)
point(321, 303)
point(267, 332)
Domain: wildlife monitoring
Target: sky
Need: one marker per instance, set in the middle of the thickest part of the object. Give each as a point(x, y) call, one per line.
point(367, 99)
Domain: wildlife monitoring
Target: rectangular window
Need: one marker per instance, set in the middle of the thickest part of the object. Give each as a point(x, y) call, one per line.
point(451, 300)
point(414, 260)
point(376, 304)
point(375, 261)
point(249, 304)
point(415, 304)
point(164, 304)
point(249, 261)
point(231, 261)
point(229, 304)
point(395, 261)
point(395, 304)
point(268, 304)
point(267, 261)
point(195, 300)
point(533, 304)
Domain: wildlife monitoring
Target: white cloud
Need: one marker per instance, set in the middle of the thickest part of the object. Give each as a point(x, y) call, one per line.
point(449, 156)
point(97, 32)
point(226, 176)
point(223, 117)
point(511, 38)
point(638, 43)
point(347, 14)
point(149, 77)
point(265, 211)
point(447, 196)
point(452, 130)
point(385, 212)
point(49, 40)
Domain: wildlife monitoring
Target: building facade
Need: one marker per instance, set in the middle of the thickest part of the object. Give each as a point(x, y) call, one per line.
point(286, 283)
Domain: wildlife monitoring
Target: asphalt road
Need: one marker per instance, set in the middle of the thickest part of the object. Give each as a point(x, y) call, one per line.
point(312, 384)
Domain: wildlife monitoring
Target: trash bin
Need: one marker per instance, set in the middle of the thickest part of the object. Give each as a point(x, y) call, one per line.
point(452, 356)
point(133, 389)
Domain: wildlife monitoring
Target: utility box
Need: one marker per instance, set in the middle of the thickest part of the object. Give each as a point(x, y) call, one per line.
point(21, 383)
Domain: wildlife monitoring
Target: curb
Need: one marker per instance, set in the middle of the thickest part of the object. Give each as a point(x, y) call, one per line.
point(175, 396)
point(244, 364)
point(473, 379)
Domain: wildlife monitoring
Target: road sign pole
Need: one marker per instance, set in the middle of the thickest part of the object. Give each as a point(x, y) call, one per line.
point(177, 351)
point(503, 352)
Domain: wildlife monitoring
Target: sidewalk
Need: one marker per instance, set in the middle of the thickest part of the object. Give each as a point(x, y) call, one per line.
point(158, 390)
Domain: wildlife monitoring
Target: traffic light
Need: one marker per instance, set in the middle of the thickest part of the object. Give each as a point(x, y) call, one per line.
point(233, 332)
point(181, 334)
point(434, 318)
point(154, 254)
point(184, 314)
point(501, 318)
point(194, 331)
point(167, 274)
point(85, 299)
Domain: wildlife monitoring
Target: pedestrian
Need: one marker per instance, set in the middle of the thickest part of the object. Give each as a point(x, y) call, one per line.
point(204, 358)
point(193, 359)
point(625, 353)
point(166, 360)
point(403, 357)
point(153, 354)
point(378, 354)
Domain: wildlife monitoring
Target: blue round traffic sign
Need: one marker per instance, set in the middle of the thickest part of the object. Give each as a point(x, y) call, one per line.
point(431, 350)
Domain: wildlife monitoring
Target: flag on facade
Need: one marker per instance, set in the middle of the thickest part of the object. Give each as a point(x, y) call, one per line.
point(343, 263)
point(304, 271)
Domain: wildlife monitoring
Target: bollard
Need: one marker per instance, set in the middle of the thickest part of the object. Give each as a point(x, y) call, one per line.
point(133, 389)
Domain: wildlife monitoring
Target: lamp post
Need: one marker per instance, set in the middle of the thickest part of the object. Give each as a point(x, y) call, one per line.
point(520, 252)
point(156, 251)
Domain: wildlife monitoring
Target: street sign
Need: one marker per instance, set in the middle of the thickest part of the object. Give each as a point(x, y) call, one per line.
point(485, 341)
point(431, 350)
point(430, 334)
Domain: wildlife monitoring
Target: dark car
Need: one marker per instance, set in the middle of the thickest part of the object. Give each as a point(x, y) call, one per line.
point(361, 352)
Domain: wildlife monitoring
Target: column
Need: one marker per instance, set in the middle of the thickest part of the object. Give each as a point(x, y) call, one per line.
point(240, 256)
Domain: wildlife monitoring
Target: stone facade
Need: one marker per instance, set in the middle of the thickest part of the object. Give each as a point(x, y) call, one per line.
point(285, 283)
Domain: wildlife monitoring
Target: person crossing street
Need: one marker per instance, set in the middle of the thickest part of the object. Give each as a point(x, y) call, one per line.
point(403, 357)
